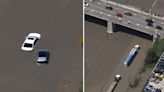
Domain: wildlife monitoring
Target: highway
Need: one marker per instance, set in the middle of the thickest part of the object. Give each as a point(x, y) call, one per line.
point(137, 20)
point(60, 32)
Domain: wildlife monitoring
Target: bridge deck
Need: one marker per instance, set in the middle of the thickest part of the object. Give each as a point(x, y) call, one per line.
point(137, 21)
point(156, 5)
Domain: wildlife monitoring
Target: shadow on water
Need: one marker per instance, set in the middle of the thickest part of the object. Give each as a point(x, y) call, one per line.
point(96, 20)
point(118, 28)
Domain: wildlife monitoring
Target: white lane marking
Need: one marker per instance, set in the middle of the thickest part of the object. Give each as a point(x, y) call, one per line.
point(117, 9)
point(109, 15)
point(129, 21)
point(137, 24)
point(147, 27)
point(98, 3)
point(101, 12)
point(119, 18)
point(92, 10)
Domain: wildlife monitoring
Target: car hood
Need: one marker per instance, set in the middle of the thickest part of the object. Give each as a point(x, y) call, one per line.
point(41, 59)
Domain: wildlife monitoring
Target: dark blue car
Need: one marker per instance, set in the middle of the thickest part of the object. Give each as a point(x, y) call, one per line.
point(42, 57)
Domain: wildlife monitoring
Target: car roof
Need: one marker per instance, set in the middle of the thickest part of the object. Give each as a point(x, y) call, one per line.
point(30, 40)
point(149, 20)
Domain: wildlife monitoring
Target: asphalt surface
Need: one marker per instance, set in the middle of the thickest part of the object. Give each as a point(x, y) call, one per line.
point(60, 24)
point(105, 54)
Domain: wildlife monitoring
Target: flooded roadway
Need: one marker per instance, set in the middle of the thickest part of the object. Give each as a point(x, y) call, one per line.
point(105, 54)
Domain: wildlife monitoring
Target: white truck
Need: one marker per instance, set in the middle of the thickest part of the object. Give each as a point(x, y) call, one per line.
point(114, 83)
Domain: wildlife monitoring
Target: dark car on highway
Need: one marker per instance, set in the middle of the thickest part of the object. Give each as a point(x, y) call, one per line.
point(42, 57)
point(149, 20)
point(159, 27)
point(109, 7)
point(150, 24)
point(128, 14)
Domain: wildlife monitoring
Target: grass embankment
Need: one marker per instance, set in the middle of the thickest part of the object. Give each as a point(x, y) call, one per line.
point(151, 59)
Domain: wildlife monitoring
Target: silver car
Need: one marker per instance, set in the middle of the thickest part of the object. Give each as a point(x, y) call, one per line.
point(42, 57)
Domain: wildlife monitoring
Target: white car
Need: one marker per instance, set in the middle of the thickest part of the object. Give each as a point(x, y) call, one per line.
point(30, 41)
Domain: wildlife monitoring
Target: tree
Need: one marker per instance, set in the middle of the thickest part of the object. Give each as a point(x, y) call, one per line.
point(151, 58)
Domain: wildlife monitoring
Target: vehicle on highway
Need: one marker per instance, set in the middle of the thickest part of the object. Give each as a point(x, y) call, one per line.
point(149, 20)
point(149, 24)
point(109, 7)
point(86, 4)
point(159, 27)
point(30, 41)
point(119, 14)
point(42, 57)
point(128, 14)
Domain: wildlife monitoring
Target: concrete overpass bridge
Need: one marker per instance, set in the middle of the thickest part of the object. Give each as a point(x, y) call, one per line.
point(136, 21)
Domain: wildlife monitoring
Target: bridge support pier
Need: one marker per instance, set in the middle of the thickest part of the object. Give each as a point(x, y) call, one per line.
point(155, 37)
point(109, 27)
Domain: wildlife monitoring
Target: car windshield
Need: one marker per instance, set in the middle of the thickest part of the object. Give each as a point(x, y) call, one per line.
point(27, 45)
point(31, 38)
point(42, 54)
